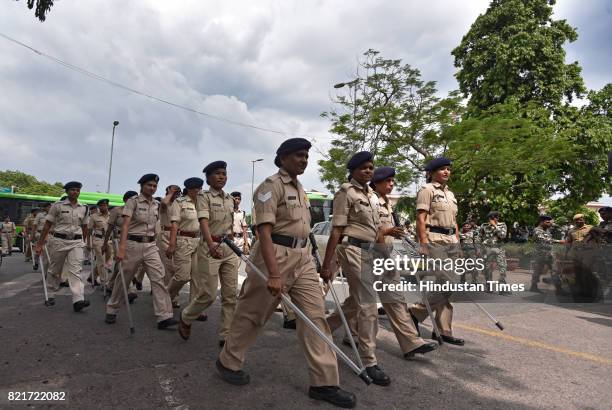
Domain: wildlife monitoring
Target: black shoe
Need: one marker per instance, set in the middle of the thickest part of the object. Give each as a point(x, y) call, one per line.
point(235, 377)
point(426, 348)
point(176, 305)
point(378, 376)
point(415, 321)
point(132, 297)
point(96, 283)
point(202, 318)
point(78, 306)
point(109, 291)
point(221, 343)
point(334, 395)
point(548, 281)
point(381, 311)
point(64, 284)
point(50, 302)
point(165, 324)
point(35, 267)
point(110, 318)
point(137, 284)
point(450, 340)
point(289, 324)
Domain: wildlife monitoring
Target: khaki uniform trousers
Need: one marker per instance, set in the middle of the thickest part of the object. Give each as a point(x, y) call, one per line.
point(102, 260)
point(7, 243)
point(256, 305)
point(45, 259)
point(66, 256)
point(113, 278)
point(186, 263)
point(163, 241)
point(439, 301)
point(147, 254)
point(206, 278)
point(27, 250)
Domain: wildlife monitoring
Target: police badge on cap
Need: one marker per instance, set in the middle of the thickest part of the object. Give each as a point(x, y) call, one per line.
point(147, 178)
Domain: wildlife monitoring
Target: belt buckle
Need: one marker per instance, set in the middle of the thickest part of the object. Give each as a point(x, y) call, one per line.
point(294, 242)
point(70, 236)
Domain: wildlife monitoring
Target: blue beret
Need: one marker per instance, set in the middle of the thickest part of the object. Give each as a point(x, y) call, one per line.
point(148, 177)
point(194, 182)
point(236, 194)
point(382, 173)
point(103, 201)
point(128, 195)
point(73, 184)
point(358, 159)
point(437, 163)
point(544, 218)
point(213, 166)
point(290, 146)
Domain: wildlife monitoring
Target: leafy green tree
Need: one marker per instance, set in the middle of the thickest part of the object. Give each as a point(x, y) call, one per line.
point(27, 184)
point(42, 8)
point(390, 111)
point(515, 50)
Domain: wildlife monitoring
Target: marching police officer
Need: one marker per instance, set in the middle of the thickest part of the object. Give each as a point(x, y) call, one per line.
point(7, 235)
point(438, 235)
point(216, 263)
point(283, 224)
point(98, 225)
point(356, 228)
point(69, 219)
point(138, 246)
point(183, 247)
point(37, 228)
point(168, 220)
point(27, 234)
point(239, 228)
point(492, 233)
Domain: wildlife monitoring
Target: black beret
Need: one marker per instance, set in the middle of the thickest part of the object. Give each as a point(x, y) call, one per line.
point(148, 177)
point(236, 194)
point(358, 159)
point(194, 182)
point(72, 184)
point(62, 198)
point(290, 146)
point(213, 166)
point(128, 195)
point(605, 209)
point(103, 201)
point(158, 198)
point(544, 218)
point(382, 173)
point(437, 163)
point(493, 214)
point(92, 207)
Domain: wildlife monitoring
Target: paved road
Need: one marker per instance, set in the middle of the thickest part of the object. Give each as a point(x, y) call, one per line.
point(549, 356)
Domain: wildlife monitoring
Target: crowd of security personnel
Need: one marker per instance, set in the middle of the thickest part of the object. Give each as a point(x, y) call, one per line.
point(179, 239)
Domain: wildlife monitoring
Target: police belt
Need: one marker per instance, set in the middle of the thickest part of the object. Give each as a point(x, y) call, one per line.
point(141, 238)
point(97, 235)
point(167, 228)
point(69, 237)
point(190, 234)
point(289, 241)
point(442, 230)
point(355, 241)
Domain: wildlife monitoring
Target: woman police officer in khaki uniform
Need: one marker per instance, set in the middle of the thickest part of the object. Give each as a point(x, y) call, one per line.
point(356, 225)
point(137, 246)
point(438, 236)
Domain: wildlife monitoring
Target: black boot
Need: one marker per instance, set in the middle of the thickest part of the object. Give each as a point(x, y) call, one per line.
point(378, 376)
point(235, 377)
point(334, 395)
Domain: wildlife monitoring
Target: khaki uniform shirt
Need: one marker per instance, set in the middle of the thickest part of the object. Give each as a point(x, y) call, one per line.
point(39, 222)
point(239, 222)
point(218, 208)
point(578, 234)
point(98, 223)
point(169, 214)
point(115, 219)
point(144, 215)
point(8, 227)
point(27, 223)
point(356, 209)
point(441, 207)
point(66, 219)
point(385, 214)
point(283, 203)
point(188, 215)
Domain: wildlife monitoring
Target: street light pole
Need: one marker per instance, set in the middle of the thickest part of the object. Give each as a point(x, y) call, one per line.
point(253, 187)
point(353, 85)
point(110, 165)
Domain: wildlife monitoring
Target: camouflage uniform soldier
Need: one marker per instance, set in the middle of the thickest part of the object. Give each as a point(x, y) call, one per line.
point(492, 234)
point(470, 243)
point(543, 250)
